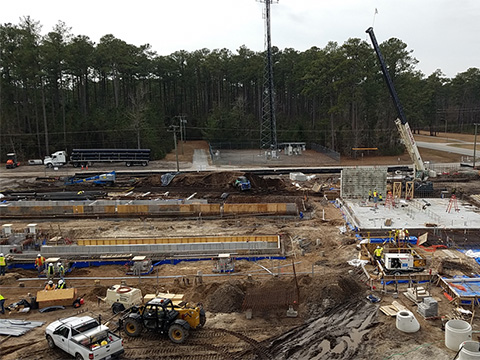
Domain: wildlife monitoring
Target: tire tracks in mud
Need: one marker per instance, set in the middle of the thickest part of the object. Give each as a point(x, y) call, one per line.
point(207, 344)
point(338, 334)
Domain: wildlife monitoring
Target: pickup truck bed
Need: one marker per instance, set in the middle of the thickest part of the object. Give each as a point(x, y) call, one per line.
point(84, 338)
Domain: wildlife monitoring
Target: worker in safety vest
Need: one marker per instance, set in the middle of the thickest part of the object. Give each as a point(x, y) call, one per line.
point(407, 235)
point(40, 263)
point(378, 253)
point(50, 271)
point(3, 265)
point(375, 197)
point(369, 195)
point(2, 306)
point(50, 285)
point(61, 284)
point(60, 270)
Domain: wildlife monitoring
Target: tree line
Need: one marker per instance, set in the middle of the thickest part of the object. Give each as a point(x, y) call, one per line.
point(63, 91)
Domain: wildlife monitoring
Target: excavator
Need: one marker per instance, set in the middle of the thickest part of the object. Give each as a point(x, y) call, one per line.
point(421, 173)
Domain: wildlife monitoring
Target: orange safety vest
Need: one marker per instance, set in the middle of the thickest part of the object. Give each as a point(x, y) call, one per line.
point(39, 261)
point(50, 287)
point(2, 261)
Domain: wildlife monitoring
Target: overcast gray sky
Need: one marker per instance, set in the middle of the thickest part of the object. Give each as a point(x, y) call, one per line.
point(444, 34)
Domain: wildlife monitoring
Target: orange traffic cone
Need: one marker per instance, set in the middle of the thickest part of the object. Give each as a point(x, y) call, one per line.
point(87, 167)
point(82, 166)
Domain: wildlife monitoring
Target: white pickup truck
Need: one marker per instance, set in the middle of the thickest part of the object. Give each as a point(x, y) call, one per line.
point(84, 338)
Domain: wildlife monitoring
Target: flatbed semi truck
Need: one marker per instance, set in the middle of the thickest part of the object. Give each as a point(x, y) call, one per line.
point(84, 157)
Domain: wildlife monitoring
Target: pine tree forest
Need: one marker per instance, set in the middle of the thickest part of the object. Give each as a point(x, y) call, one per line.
point(61, 91)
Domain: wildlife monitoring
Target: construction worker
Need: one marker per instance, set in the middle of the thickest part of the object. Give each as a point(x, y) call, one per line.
point(407, 235)
point(2, 306)
point(380, 197)
point(378, 253)
point(50, 285)
point(369, 195)
point(61, 270)
point(50, 271)
point(375, 197)
point(40, 263)
point(61, 284)
point(3, 265)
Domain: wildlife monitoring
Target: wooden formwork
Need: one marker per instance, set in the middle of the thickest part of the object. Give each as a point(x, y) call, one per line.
point(152, 209)
point(178, 240)
point(456, 297)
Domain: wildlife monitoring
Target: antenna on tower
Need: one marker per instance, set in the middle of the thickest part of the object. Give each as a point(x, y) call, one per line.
point(268, 130)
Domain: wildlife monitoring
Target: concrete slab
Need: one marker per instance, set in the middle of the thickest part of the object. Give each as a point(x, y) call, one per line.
point(415, 214)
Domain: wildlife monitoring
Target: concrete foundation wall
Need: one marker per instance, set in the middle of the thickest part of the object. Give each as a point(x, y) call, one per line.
point(197, 248)
point(132, 208)
point(356, 183)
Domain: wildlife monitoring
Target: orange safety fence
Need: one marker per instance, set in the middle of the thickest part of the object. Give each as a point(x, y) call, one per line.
point(433, 248)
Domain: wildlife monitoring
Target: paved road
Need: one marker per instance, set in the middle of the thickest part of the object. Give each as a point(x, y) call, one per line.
point(447, 148)
point(200, 161)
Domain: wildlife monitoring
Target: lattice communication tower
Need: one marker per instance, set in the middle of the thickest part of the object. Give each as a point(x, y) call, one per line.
point(268, 130)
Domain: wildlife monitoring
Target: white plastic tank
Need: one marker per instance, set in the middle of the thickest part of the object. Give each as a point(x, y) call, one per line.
point(456, 332)
point(470, 351)
point(407, 322)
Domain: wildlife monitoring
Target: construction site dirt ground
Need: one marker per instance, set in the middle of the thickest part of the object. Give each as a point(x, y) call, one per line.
point(335, 319)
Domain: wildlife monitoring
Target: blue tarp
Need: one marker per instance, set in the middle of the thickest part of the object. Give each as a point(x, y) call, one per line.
point(412, 240)
point(251, 258)
point(472, 288)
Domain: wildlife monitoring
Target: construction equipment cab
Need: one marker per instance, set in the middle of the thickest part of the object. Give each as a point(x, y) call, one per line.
point(161, 315)
point(242, 183)
point(12, 162)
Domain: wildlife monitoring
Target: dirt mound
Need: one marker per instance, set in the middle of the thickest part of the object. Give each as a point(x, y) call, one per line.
point(450, 267)
point(226, 298)
point(321, 294)
point(217, 180)
point(9, 278)
point(258, 182)
point(93, 294)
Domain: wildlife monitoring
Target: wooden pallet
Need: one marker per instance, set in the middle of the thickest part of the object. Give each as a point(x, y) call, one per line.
point(393, 309)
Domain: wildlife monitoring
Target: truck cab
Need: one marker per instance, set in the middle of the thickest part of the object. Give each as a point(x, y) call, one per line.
point(84, 338)
point(58, 158)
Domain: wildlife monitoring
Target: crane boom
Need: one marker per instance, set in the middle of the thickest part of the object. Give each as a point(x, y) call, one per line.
point(401, 122)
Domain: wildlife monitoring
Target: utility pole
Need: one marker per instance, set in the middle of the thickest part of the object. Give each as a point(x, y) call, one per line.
point(183, 131)
point(174, 129)
point(475, 146)
point(268, 131)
